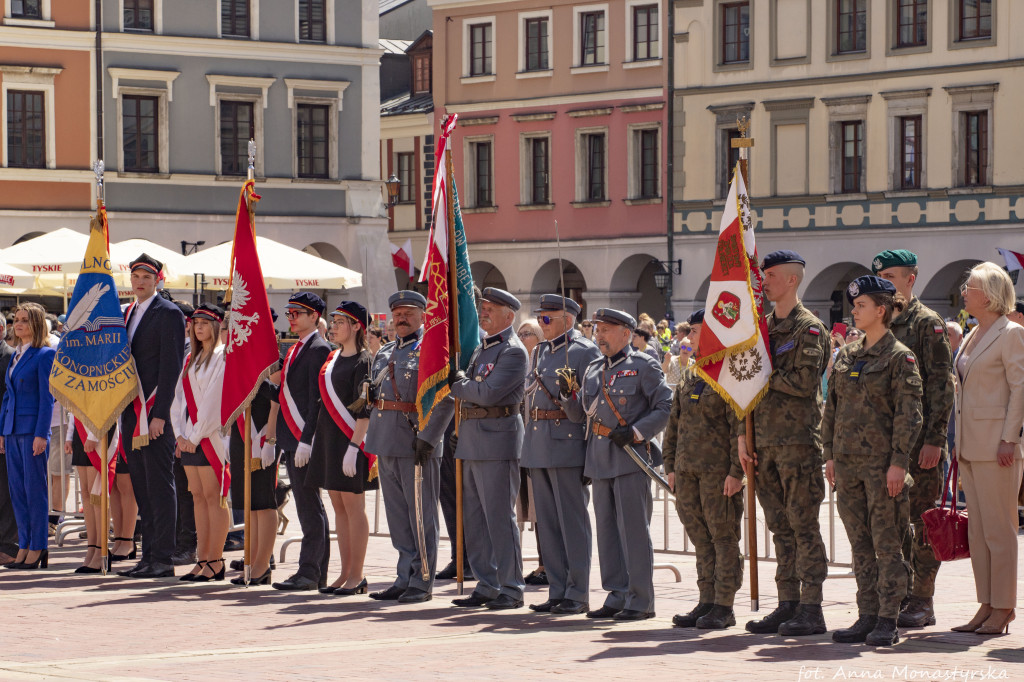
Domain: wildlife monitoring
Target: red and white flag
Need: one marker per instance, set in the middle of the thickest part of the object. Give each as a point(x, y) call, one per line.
point(733, 355)
point(1014, 260)
point(251, 352)
point(402, 257)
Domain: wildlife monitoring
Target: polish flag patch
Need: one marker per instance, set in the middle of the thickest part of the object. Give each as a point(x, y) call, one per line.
point(939, 329)
point(814, 330)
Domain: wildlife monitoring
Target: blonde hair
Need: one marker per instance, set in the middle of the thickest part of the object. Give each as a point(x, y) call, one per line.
point(996, 285)
point(36, 320)
point(200, 354)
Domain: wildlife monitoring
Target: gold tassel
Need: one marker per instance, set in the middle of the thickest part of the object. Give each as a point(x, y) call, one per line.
point(95, 500)
point(256, 465)
point(373, 472)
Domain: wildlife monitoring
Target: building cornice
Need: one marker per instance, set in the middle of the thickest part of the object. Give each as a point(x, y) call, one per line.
point(49, 38)
point(258, 50)
point(645, 93)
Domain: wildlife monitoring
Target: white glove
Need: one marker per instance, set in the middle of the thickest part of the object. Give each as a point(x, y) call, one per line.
point(268, 455)
point(302, 454)
point(348, 466)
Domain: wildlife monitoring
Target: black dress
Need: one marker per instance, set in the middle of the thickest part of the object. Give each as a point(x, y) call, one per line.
point(330, 442)
point(264, 480)
point(80, 458)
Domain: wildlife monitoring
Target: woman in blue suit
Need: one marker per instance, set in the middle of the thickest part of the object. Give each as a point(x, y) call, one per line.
point(25, 433)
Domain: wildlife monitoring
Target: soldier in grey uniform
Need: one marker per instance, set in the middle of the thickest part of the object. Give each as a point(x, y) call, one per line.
point(626, 401)
point(554, 451)
point(489, 440)
point(394, 437)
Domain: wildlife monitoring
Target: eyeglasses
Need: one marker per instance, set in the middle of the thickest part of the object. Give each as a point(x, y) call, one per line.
point(547, 319)
point(292, 314)
point(524, 335)
point(964, 288)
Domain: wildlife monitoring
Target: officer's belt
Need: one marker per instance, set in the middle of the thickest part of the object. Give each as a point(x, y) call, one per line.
point(395, 406)
point(602, 430)
point(495, 412)
point(537, 414)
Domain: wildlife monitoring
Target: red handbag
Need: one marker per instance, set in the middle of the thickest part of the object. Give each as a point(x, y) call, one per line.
point(947, 528)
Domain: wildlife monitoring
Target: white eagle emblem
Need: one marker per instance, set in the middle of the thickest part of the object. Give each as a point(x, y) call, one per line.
point(854, 290)
point(878, 264)
point(240, 326)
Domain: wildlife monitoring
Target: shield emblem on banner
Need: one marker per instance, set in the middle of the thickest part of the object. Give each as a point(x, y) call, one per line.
point(727, 309)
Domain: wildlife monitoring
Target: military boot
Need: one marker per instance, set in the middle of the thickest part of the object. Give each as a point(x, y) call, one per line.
point(689, 620)
point(884, 634)
point(917, 613)
point(770, 623)
point(809, 620)
point(857, 632)
point(718, 618)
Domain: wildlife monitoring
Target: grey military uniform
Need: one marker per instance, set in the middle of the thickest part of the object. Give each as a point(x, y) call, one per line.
point(555, 451)
point(622, 492)
point(489, 447)
point(392, 437)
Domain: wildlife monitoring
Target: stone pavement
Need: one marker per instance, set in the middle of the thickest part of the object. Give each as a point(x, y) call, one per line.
point(57, 625)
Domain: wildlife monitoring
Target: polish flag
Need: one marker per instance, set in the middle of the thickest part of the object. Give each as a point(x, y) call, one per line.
point(1014, 260)
point(402, 257)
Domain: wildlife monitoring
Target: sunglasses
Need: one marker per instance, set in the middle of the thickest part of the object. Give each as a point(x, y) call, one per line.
point(587, 325)
point(547, 319)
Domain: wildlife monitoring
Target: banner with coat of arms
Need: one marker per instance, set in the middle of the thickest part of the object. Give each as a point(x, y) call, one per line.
point(733, 355)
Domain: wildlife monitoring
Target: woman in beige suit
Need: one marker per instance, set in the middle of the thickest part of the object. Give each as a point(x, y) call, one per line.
point(989, 416)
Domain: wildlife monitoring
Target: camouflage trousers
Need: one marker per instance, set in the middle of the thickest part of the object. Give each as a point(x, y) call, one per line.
point(712, 522)
point(790, 488)
point(917, 551)
point(872, 521)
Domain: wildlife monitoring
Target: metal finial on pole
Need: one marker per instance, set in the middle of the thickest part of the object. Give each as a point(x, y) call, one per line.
point(252, 159)
point(97, 168)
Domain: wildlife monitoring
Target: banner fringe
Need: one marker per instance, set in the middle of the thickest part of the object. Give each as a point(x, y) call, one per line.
point(67, 403)
point(442, 393)
point(740, 412)
point(226, 428)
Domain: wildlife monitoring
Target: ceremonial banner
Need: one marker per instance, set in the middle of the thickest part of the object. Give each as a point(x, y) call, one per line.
point(93, 372)
point(401, 257)
point(439, 329)
point(733, 355)
point(250, 354)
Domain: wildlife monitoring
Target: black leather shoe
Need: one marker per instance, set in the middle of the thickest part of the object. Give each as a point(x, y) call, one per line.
point(327, 589)
point(183, 558)
point(570, 607)
point(239, 564)
point(504, 602)
point(809, 620)
point(545, 607)
point(917, 613)
point(390, 594)
point(537, 577)
point(447, 573)
point(472, 601)
point(633, 614)
point(414, 595)
point(128, 572)
point(857, 632)
point(786, 610)
point(718, 618)
point(884, 634)
point(155, 570)
point(603, 612)
point(689, 620)
point(297, 583)
point(234, 545)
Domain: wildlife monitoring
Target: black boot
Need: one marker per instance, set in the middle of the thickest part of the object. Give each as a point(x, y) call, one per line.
point(809, 620)
point(884, 634)
point(917, 613)
point(857, 632)
point(718, 618)
point(689, 620)
point(770, 623)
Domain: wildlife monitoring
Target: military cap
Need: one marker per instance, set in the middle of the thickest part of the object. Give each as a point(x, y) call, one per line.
point(612, 316)
point(147, 263)
point(554, 302)
point(501, 297)
point(208, 311)
point(308, 301)
point(185, 308)
point(62, 318)
point(696, 317)
point(780, 257)
point(407, 298)
point(354, 311)
point(869, 284)
point(1018, 306)
point(891, 259)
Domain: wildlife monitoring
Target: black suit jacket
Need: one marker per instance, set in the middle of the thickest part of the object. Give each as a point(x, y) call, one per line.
point(304, 384)
point(159, 351)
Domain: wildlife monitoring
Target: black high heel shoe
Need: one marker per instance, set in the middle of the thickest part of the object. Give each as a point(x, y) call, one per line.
point(88, 569)
point(192, 577)
point(130, 556)
point(219, 575)
point(42, 561)
point(349, 591)
point(262, 580)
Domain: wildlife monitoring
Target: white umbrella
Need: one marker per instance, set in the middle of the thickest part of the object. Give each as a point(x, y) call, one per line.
point(176, 273)
point(15, 280)
point(283, 268)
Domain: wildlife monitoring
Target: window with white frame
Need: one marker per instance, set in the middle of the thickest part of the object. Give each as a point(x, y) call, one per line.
point(315, 127)
point(478, 47)
point(972, 133)
point(238, 117)
point(479, 174)
point(236, 19)
point(908, 133)
point(312, 21)
point(535, 48)
point(644, 174)
point(535, 169)
point(35, 13)
point(591, 165)
point(643, 37)
point(847, 143)
point(405, 162)
point(590, 37)
point(27, 116)
point(142, 119)
point(140, 15)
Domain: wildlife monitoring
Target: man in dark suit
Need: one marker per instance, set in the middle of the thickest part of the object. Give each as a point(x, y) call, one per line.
point(8, 526)
point(156, 332)
point(298, 395)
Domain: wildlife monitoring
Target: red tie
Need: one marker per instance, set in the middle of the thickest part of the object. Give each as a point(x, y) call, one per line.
point(295, 353)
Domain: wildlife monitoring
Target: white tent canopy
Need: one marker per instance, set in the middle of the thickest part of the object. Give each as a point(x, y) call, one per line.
point(284, 268)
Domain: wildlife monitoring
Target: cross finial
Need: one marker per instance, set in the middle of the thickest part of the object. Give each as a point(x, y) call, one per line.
point(97, 168)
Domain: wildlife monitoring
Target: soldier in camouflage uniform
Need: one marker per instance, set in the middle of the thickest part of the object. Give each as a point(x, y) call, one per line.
point(703, 468)
point(924, 332)
point(872, 421)
point(787, 435)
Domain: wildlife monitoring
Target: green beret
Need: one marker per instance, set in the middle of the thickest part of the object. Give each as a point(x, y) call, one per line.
point(891, 259)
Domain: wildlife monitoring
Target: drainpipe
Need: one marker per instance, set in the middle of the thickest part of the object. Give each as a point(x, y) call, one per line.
point(99, 79)
point(669, 156)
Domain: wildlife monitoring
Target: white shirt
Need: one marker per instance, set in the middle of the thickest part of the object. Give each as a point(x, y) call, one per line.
point(136, 315)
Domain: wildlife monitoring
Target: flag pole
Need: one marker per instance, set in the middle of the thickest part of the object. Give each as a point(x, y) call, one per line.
point(104, 504)
point(247, 430)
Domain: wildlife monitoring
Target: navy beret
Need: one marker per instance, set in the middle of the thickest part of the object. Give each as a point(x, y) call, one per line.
point(407, 298)
point(307, 300)
point(613, 316)
point(354, 311)
point(501, 297)
point(696, 317)
point(554, 303)
point(780, 257)
point(869, 284)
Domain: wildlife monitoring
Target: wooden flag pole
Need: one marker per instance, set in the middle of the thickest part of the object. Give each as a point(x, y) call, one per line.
point(104, 525)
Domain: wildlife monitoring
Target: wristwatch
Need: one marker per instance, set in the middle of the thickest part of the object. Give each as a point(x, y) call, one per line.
point(271, 441)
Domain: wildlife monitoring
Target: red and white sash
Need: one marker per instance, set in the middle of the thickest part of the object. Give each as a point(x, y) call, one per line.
point(337, 409)
point(140, 437)
point(94, 458)
point(289, 409)
point(220, 469)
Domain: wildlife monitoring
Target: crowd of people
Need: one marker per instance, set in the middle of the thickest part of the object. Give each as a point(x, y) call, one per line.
point(551, 416)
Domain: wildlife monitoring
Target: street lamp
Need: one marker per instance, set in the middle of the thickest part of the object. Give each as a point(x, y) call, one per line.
point(393, 185)
point(666, 268)
point(190, 247)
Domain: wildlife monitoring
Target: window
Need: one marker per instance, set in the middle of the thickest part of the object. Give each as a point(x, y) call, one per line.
point(909, 152)
point(851, 26)
point(26, 129)
point(595, 167)
point(975, 18)
point(975, 153)
point(421, 76)
point(138, 15)
point(591, 38)
point(480, 50)
point(406, 177)
point(735, 32)
point(852, 155)
point(482, 173)
point(539, 193)
point(312, 134)
point(648, 160)
point(234, 18)
point(645, 32)
point(537, 44)
point(26, 9)
point(731, 155)
point(312, 21)
point(140, 127)
point(911, 23)
point(237, 127)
